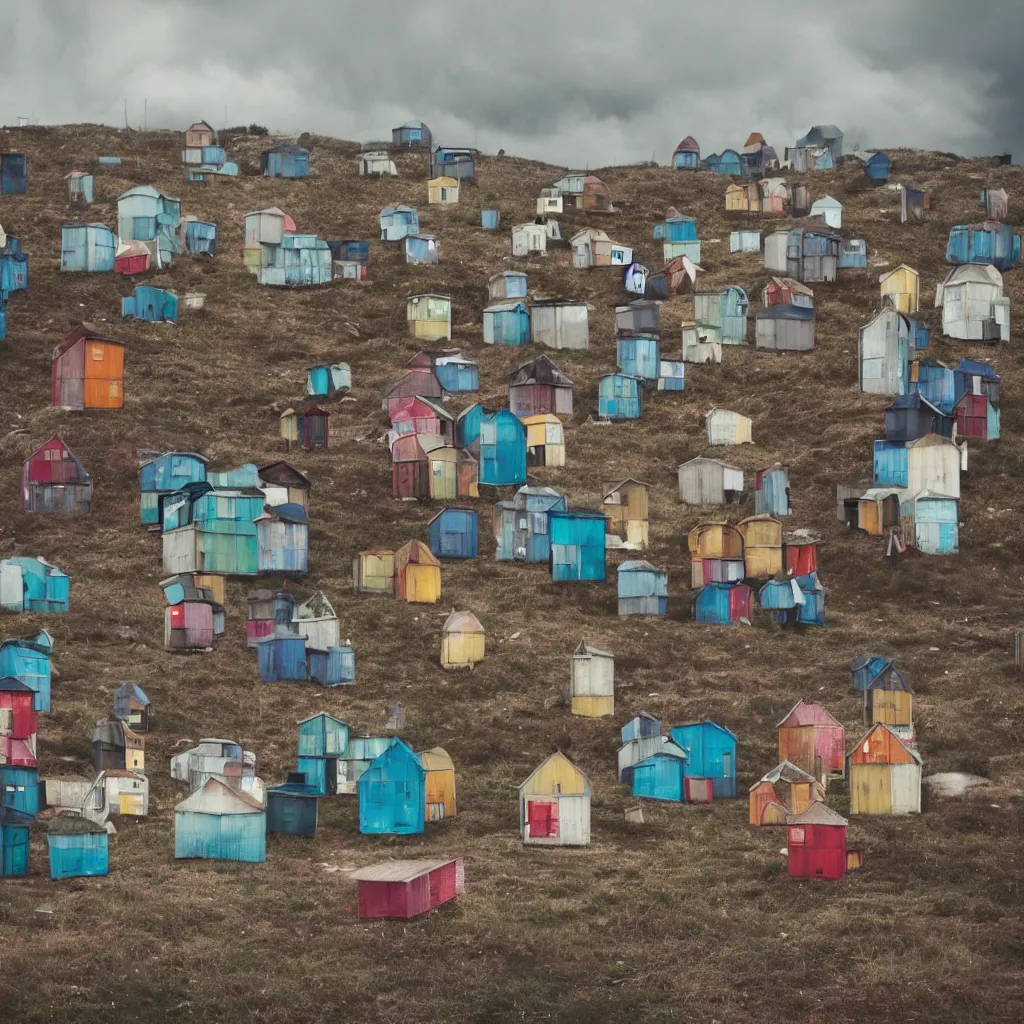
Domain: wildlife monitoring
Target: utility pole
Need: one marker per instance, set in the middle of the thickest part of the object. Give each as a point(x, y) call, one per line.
point(126, 111)
point(145, 113)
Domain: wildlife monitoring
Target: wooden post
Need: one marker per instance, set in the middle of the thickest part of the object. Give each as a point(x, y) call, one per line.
point(1018, 634)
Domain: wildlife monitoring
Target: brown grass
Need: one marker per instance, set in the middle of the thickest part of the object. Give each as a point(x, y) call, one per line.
point(687, 918)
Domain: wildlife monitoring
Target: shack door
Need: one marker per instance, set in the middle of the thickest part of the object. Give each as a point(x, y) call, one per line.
point(542, 819)
point(873, 788)
point(15, 852)
point(131, 803)
point(435, 811)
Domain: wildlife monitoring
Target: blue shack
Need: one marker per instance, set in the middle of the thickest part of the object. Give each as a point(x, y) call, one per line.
point(88, 248)
point(936, 382)
point(771, 491)
point(292, 807)
point(679, 235)
point(876, 167)
point(639, 355)
point(454, 533)
point(145, 214)
point(725, 309)
point(643, 589)
point(890, 465)
point(282, 535)
point(13, 173)
point(854, 254)
point(78, 847)
point(507, 284)
point(164, 475)
point(33, 585)
point(502, 454)
point(328, 381)
point(783, 599)
point(931, 523)
point(723, 163)
point(457, 373)
point(507, 323)
point(522, 530)
point(421, 250)
point(392, 793)
point(643, 727)
point(812, 611)
point(323, 740)
point(284, 656)
point(490, 220)
point(660, 776)
point(871, 670)
point(722, 604)
point(20, 789)
point(710, 751)
point(200, 237)
point(14, 842)
point(154, 305)
point(300, 259)
point(28, 660)
point(398, 220)
point(217, 822)
point(577, 546)
point(990, 242)
point(13, 268)
point(285, 160)
point(619, 397)
point(467, 425)
point(459, 164)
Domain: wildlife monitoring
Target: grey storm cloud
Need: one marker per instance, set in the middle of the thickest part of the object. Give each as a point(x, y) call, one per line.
point(574, 82)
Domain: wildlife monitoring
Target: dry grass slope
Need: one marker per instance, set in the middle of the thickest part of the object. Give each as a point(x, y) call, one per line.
point(689, 917)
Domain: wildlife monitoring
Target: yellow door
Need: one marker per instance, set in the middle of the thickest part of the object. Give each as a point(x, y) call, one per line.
point(870, 789)
point(131, 803)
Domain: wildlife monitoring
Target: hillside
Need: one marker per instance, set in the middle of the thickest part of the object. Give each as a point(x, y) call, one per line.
point(687, 917)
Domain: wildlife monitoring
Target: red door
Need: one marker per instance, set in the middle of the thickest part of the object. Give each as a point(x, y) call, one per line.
point(542, 819)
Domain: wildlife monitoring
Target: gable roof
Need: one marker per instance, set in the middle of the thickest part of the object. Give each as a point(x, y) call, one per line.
point(418, 553)
point(784, 772)
point(542, 370)
point(74, 825)
point(893, 736)
point(132, 690)
point(588, 651)
point(705, 722)
point(806, 713)
point(819, 813)
point(437, 759)
point(559, 756)
point(232, 801)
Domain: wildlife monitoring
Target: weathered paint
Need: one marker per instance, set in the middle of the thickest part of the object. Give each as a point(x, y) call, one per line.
point(439, 784)
point(813, 740)
point(405, 889)
point(642, 589)
point(554, 804)
point(78, 848)
point(619, 397)
point(577, 546)
point(220, 823)
point(710, 751)
point(885, 774)
point(592, 682)
point(816, 843)
point(710, 482)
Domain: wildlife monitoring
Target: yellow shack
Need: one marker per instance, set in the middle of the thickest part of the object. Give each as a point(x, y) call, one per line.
point(440, 783)
point(462, 641)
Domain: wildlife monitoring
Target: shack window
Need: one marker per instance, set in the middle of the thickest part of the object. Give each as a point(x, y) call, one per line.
point(796, 836)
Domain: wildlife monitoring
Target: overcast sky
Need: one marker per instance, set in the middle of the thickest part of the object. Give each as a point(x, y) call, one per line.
point(572, 82)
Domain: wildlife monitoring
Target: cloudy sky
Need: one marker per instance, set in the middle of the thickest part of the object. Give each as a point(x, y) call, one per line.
point(580, 82)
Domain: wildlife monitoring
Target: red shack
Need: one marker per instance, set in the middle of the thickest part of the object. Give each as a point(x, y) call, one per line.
point(53, 480)
point(419, 415)
point(817, 843)
point(417, 381)
point(19, 723)
point(785, 291)
point(408, 888)
point(540, 387)
point(813, 740)
point(976, 417)
point(800, 551)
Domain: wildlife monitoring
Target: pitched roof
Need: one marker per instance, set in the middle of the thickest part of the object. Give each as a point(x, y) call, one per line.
point(232, 801)
point(541, 370)
point(806, 713)
point(437, 759)
point(785, 772)
point(588, 651)
point(819, 813)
